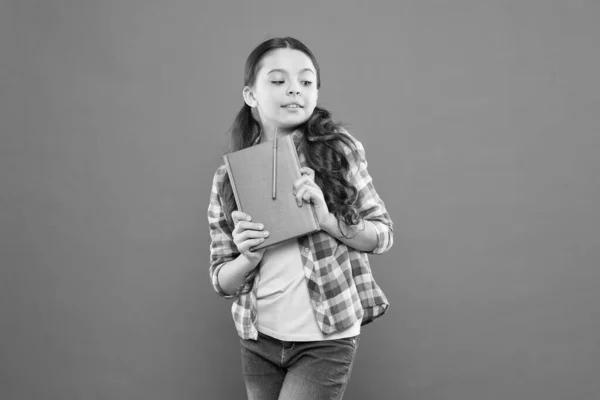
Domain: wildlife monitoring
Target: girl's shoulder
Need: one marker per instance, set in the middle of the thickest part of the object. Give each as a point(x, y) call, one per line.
point(221, 170)
point(354, 147)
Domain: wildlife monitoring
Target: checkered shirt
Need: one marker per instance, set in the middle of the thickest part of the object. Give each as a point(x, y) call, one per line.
point(339, 279)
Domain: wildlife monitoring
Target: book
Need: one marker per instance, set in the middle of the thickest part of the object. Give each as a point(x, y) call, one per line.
point(251, 175)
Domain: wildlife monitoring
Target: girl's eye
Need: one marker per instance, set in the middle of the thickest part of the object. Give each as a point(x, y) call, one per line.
point(306, 83)
point(277, 82)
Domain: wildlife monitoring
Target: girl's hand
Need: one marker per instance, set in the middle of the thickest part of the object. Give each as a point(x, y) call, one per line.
point(306, 190)
point(246, 235)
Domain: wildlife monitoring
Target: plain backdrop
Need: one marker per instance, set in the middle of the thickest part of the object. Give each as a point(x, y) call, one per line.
point(481, 123)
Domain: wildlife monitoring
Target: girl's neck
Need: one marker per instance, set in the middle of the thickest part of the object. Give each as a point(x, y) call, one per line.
point(269, 134)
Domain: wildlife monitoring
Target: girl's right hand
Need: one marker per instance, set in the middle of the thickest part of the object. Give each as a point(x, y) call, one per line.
point(248, 234)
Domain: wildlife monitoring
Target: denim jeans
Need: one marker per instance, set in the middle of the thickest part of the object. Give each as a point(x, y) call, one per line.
point(278, 370)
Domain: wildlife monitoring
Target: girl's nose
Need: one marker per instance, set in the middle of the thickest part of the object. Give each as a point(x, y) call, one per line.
point(293, 88)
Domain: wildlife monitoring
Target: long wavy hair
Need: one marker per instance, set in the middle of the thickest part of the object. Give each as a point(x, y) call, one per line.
point(321, 144)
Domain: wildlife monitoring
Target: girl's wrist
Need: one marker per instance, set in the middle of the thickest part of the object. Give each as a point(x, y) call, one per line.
point(330, 224)
point(249, 263)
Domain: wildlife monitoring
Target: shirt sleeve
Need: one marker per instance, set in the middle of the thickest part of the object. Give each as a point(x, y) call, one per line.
point(222, 248)
point(369, 205)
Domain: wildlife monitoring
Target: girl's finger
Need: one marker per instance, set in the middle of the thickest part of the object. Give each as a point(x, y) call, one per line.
point(250, 234)
point(244, 241)
point(240, 216)
point(307, 196)
point(300, 195)
point(245, 225)
point(304, 180)
point(308, 193)
point(307, 171)
point(249, 243)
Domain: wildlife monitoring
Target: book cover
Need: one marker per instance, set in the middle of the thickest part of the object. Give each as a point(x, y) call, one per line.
point(250, 173)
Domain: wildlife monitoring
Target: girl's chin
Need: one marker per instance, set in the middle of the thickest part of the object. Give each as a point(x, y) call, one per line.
point(288, 122)
point(288, 127)
point(295, 119)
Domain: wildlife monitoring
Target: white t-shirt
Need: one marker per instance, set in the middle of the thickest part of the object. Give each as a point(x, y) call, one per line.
point(284, 309)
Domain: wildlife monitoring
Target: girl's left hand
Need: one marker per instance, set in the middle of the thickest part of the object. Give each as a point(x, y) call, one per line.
point(306, 189)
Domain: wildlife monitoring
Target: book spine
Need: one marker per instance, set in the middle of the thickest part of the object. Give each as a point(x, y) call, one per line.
point(232, 182)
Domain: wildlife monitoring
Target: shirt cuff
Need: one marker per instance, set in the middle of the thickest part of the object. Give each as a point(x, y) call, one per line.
point(384, 238)
point(216, 286)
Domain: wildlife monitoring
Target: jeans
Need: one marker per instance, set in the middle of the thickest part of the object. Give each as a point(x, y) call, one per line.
point(278, 370)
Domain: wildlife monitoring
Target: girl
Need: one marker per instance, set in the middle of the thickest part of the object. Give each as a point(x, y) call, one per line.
point(299, 305)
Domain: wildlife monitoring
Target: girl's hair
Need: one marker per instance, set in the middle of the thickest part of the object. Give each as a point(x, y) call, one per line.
point(321, 144)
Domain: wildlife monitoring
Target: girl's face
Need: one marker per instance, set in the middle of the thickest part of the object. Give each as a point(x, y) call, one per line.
point(285, 91)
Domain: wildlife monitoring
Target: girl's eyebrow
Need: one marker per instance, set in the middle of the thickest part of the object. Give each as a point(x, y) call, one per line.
point(285, 72)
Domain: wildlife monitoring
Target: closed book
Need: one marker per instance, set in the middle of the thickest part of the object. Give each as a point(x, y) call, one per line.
point(250, 172)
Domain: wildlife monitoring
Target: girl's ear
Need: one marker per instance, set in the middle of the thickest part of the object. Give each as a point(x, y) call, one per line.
point(249, 97)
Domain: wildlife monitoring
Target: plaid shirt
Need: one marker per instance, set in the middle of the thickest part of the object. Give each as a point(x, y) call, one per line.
point(339, 279)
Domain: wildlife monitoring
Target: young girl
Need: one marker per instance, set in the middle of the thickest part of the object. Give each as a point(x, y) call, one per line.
point(299, 305)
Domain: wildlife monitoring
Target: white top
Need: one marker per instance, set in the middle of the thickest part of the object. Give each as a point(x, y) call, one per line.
point(284, 309)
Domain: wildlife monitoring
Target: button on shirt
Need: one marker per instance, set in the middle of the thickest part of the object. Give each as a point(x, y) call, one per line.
point(340, 281)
